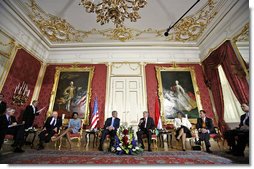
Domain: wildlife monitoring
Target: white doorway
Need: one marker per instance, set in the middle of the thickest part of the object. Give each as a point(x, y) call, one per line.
point(126, 98)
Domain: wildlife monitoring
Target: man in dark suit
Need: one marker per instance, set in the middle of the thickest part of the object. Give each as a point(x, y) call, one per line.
point(238, 138)
point(205, 127)
point(146, 124)
point(2, 104)
point(29, 114)
point(51, 127)
point(110, 127)
point(8, 125)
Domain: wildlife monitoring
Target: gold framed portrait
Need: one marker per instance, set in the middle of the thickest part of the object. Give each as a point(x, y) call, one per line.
point(178, 91)
point(72, 92)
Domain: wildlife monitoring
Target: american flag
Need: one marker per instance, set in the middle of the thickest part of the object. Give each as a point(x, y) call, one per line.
point(95, 115)
point(80, 104)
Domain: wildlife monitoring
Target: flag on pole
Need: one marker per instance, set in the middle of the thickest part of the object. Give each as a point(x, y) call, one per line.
point(158, 122)
point(95, 115)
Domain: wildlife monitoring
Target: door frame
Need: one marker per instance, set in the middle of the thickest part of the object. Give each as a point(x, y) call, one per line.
point(141, 74)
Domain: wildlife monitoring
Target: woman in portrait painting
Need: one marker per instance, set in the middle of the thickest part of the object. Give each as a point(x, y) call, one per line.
point(169, 103)
point(183, 102)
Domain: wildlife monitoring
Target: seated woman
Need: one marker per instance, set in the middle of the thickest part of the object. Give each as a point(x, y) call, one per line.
point(182, 126)
point(73, 127)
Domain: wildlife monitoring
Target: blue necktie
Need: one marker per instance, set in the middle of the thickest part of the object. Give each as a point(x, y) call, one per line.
point(112, 123)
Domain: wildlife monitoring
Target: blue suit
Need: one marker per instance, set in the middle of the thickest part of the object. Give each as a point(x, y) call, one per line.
point(112, 133)
point(116, 123)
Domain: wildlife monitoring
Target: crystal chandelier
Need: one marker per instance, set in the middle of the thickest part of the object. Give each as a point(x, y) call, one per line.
point(115, 10)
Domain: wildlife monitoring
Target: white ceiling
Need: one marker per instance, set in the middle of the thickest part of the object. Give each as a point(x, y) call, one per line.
point(156, 17)
point(60, 31)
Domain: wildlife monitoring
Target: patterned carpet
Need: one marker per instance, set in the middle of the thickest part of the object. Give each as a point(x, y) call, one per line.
point(75, 157)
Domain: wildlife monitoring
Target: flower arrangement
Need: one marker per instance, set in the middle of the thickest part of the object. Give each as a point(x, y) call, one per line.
point(125, 142)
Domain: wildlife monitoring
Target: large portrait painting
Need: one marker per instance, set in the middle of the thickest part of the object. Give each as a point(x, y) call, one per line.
point(178, 91)
point(71, 92)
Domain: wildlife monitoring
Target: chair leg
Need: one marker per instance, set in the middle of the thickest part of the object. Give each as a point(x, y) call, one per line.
point(60, 143)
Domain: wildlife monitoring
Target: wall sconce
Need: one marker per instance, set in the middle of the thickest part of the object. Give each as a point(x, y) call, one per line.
point(21, 94)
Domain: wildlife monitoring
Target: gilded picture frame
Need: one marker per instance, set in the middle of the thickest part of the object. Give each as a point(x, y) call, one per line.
point(72, 92)
point(178, 91)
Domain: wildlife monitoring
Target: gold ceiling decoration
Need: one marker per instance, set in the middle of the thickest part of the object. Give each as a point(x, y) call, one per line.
point(243, 36)
point(56, 29)
point(6, 44)
point(190, 28)
point(115, 10)
point(119, 33)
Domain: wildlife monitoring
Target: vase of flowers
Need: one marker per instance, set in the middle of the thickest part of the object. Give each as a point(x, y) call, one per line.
point(125, 142)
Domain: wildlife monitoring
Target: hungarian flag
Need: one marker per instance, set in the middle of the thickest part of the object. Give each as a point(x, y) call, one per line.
point(95, 115)
point(158, 122)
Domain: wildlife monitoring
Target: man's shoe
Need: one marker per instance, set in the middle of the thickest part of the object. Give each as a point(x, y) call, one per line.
point(40, 147)
point(209, 151)
point(229, 152)
point(18, 150)
point(238, 154)
point(14, 145)
point(100, 149)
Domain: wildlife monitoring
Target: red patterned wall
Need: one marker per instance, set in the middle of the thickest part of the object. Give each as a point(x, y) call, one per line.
point(152, 87)
point(98, 88)
point(24, 68)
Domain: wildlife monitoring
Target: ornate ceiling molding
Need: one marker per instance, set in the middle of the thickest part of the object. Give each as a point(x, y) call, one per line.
point(7, 44)
point(243, 36)
point(56, 29)
point(190, 28)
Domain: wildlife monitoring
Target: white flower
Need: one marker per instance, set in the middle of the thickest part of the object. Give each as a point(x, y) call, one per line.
point(137, 148)
point(118, 149)
point(120, 144)
point(134, 149)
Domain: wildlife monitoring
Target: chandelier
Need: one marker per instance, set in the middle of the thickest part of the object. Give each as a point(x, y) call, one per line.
point(115, 10)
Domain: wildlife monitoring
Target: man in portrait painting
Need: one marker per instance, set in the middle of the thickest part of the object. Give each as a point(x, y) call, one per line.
point(69, 93)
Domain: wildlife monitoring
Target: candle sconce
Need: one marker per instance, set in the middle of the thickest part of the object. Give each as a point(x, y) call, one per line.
point(21, 94)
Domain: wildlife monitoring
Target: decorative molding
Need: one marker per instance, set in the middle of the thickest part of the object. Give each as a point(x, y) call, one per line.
point(59, 30)
point(190, 28)
point(243, 36)
point(126, 69)
point(230, 24)
point(39, 81)
point(7, 44)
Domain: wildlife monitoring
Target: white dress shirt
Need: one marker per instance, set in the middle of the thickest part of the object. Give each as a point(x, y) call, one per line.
point(53, 120)
point(184, 122)
point(33, 108)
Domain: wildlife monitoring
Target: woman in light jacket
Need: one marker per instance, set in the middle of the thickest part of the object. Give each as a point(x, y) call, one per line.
point(74, 126)
point(182, 126)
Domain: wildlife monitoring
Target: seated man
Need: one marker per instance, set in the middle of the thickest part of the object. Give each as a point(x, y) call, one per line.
point(8, 125)
point(205, 127)
point(241, 133)
point(146, 124)
point(110, 127)
point(50, 128)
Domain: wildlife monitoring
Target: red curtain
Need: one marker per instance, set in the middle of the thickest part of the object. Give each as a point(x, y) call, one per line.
point(226, 57)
